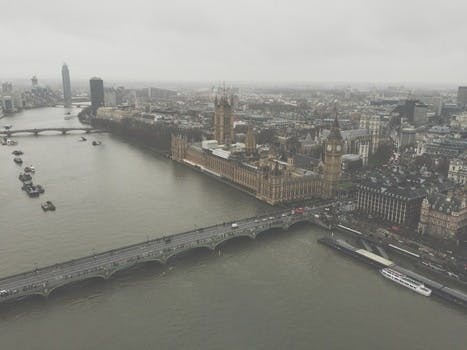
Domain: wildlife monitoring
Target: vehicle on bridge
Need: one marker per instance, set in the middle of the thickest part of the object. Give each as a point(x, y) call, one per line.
point(104, 265)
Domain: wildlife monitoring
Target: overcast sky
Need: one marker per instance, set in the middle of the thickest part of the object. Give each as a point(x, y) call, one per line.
point(237, 40)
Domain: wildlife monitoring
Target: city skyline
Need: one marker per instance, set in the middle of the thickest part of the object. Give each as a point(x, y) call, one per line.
point(246, 41)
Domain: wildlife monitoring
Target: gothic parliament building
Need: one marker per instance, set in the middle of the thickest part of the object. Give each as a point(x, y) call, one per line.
point(261, 175)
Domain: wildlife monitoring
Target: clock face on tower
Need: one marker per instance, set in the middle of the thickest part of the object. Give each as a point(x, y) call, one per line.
point(338, 148)
point(329, 147)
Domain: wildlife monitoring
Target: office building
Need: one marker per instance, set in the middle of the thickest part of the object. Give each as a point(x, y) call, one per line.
point(391, 203)
point(97, 93)
point(407, 137)
point(419, 115)
point(462, 97)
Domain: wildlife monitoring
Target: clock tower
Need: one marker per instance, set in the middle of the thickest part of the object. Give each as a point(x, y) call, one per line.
point(333, 149)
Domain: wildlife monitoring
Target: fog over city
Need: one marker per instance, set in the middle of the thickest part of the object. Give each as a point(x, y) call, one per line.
point(243, 40)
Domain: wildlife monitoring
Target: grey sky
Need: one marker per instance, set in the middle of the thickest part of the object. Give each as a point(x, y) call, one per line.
point(259, 40)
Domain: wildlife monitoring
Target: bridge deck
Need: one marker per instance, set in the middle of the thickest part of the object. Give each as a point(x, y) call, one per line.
point(44, 280)
point(40, 130)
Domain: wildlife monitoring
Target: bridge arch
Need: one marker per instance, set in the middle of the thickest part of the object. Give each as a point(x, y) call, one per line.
point(176, 253)
point(251, 236)
point(120, 268)
point(48, 291)
point(300, 222)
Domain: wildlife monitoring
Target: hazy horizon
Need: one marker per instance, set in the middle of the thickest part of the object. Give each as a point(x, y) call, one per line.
point(259, 41)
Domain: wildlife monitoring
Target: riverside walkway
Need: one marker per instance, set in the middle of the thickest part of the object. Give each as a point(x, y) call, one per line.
point(44, 280)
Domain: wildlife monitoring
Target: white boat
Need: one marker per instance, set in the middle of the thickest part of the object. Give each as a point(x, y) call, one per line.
point(406, 281)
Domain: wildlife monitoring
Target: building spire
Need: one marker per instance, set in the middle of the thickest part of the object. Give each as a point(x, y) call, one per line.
point(335, 129)
point(336, 121)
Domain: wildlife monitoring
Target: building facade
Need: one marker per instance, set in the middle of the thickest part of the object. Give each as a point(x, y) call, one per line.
point(396, 205)
point(458, 171)
point(374, 126)
point(444, 216)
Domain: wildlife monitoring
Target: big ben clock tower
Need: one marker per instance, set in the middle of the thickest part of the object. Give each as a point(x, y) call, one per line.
point(332, 161)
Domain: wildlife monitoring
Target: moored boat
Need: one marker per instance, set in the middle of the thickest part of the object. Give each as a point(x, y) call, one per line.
point(47, 205)
point(406, 281)
point(29, 169)
point(32, 191)
point(24, 177)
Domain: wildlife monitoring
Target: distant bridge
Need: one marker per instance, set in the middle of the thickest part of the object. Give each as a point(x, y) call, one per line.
point(37, 131)
point(43, 281)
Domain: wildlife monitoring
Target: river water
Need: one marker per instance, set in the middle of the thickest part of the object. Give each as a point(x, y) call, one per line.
point(281, 291)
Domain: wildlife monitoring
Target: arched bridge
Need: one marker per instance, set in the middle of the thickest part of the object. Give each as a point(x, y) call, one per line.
point(37, 131)
point(44, 280)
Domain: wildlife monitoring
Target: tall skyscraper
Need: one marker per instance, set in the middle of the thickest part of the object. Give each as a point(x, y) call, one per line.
point(34, 81)
point(7, 87)
point(66, 86)
point(462, 97)
point(223, 119)
point(97, 93)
